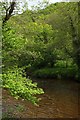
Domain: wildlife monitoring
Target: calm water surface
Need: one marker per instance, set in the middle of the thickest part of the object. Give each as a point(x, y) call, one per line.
point(61, 97)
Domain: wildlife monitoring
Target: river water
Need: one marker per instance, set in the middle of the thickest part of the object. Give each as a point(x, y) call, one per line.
point(61, 98)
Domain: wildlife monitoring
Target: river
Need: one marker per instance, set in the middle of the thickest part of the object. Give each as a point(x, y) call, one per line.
point(61, 98)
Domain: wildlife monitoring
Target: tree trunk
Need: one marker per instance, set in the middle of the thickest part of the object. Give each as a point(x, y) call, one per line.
point(9, 12)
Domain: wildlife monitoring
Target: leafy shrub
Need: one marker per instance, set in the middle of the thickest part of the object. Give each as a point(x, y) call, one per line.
point(20, 86)
point(56, 73)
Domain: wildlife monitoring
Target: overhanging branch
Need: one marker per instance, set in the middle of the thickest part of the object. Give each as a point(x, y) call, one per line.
point(9, 11)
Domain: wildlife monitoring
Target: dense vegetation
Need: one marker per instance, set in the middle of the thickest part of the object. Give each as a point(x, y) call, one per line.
point(44, 43)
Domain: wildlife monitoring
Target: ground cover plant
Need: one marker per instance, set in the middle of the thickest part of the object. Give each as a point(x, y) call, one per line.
point(20, 86)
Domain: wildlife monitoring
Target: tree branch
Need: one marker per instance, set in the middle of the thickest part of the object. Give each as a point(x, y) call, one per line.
point(9, 12)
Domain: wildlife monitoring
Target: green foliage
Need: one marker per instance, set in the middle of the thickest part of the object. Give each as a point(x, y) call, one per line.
point(40, 32)
point(43, 41)
point(12, 45)
point(62, 70)
point(16, 49)
point(20, 86)
point(59, 73)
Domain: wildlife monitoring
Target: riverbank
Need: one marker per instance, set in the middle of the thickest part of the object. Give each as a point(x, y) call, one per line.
point(59, 101)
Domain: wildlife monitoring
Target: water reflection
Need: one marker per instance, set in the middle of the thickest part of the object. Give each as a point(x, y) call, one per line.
point(64, 94)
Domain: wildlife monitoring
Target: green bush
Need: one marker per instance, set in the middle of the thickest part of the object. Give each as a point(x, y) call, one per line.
point(20, 86)
point(56, 73)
